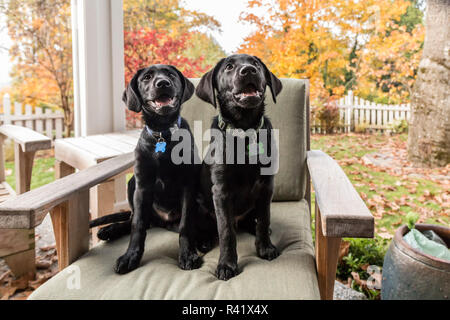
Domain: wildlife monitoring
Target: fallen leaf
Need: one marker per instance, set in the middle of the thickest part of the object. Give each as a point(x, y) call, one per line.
point(48, 248)
point(4, 275)
point(343, 250)
point(22, 282)
point(385, 235)
point(6, 292)
point(358, 280)
point(43, 264)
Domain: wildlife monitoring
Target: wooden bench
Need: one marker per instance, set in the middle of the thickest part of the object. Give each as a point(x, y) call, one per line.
point(17, 245)
point(80, 153)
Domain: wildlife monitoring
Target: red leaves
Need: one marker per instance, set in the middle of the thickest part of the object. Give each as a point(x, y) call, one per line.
point(145, 47)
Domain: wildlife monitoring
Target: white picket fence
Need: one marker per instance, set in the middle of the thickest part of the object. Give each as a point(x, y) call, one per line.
point(355, 111)
point(48, 122)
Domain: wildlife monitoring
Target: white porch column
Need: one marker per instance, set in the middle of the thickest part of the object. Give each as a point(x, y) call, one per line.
point(98, 66)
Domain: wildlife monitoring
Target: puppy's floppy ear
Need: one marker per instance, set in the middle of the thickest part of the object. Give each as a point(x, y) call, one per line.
point(131, 95)
point(272, 81)
point(188, 86)
point(206, 88)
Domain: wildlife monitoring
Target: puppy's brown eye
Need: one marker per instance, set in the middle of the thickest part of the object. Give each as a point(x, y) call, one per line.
point(255, 63)
point(147, 77)
point(229, 67)
point(171, 75)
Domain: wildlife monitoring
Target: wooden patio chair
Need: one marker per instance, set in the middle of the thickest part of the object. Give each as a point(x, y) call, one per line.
point(300, 272)
point(17, 245)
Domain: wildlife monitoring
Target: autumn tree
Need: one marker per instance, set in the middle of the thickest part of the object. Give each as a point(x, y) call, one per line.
point(429, 130)
point(388, 61)
point(162, 31)
point(337, 44)
point(169, 17)
point(145, 47)
point(41, 53)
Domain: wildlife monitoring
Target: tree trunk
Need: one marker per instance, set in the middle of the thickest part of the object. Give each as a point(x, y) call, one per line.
point(429, 129)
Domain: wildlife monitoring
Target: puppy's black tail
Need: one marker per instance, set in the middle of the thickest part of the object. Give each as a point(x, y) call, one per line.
point(110, 218)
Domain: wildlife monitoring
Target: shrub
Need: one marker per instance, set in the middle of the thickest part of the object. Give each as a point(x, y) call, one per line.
point(399, 126)
point(362, 253)
point(328, 116)
point(361, 127)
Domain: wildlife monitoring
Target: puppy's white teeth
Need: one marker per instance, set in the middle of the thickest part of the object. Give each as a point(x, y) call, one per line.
point(164, 102)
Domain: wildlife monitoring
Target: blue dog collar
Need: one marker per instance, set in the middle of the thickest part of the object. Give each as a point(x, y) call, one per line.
point(161, 143)
point(165, 132)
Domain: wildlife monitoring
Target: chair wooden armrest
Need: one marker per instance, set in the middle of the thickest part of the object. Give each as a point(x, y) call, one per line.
point(339, 212)
point(26, 143)
point(17, 246)
point(28, 139)
point(67, 199)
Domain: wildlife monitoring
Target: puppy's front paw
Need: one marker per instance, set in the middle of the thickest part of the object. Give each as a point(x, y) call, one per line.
point(225, 272)
point(128, 262)
point(268, 252)
point(189, 260)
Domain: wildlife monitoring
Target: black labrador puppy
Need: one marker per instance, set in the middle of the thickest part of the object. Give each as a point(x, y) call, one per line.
point(161, 193)
point(238, 195)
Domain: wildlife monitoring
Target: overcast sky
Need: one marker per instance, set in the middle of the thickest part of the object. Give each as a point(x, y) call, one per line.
point(4, 57)
point(225, 11)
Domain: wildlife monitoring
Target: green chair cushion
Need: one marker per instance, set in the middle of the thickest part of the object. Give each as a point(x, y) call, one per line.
point(288, 115)
point(291, 276)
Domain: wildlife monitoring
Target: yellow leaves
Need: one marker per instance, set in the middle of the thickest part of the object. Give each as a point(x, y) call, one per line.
point(164, 14)
point(314, 39)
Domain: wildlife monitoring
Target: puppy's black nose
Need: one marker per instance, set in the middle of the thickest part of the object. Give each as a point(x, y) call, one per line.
point(162, 83)
point(248, 69)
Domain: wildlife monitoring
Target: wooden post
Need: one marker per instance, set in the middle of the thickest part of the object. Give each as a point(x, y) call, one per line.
point(39, 122)
point(58, 125)
point(102, 203)
point(327, 254)
point(23, 262)
point(98, 66)
point(24, 166)
point(29, 112)
point(49, 124)
point(71, 242)
point(6, 109)
point(2, 159)
point(18, 112)
point(350, 111)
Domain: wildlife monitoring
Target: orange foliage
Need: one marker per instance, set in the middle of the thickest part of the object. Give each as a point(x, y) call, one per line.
point(337, 44)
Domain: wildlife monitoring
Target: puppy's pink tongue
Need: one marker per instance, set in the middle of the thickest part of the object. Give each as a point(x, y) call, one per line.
point(249, 90)
point(164, 101)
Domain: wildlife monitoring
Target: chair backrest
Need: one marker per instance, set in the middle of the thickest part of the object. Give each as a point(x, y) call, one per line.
point(290, 116)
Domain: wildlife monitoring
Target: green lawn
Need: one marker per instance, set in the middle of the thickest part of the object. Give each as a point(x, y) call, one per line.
point(399, 194)
point(43, 172)
point(389, 196)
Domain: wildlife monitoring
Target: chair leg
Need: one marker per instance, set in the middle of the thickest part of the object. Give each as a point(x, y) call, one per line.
point(102, 203)
point(327, 254)
point(24, 166)
point(17, 248)
point(22, 263)
point(74, 242)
